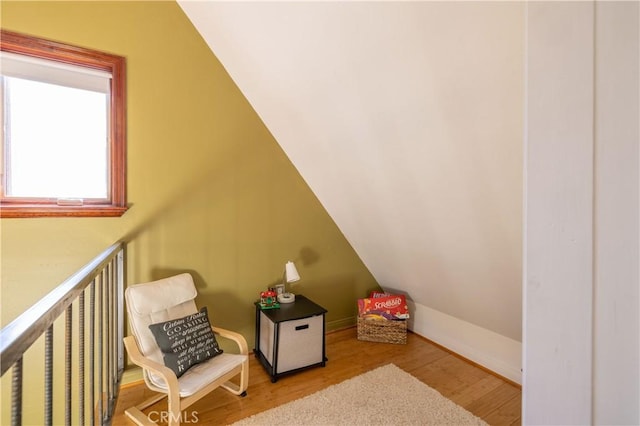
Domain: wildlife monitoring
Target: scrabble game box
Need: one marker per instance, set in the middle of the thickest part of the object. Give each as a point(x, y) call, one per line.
point(383, 306)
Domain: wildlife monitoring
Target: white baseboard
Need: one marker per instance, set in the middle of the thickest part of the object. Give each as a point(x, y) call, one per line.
point(491, 350)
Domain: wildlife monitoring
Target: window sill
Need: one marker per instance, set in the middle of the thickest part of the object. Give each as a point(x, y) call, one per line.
point(40, 210)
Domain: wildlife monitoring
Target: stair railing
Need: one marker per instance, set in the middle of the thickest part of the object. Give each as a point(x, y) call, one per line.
point(90, 391)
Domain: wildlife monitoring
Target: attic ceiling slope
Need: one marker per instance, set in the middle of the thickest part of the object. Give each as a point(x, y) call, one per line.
point(405, 119)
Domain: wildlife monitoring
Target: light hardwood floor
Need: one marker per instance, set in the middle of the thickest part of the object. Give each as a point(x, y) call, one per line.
point(495, 400)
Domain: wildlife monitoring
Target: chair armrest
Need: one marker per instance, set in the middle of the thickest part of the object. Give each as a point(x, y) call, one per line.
point(140, 360)
point(236, 337)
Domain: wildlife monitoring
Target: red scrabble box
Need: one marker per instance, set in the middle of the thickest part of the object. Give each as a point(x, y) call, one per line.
point(388, 306)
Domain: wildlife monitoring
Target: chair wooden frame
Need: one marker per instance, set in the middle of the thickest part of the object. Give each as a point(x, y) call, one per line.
point(175, 403)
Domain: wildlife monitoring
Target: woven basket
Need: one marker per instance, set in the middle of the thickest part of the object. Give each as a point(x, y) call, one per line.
point(382, 331)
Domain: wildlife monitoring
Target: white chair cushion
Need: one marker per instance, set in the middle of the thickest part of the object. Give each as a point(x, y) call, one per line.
point(149, 298)
point(202, 374)
point(155, 302)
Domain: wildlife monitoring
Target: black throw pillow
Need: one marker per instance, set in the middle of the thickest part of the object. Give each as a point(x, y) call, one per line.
point(187, 341)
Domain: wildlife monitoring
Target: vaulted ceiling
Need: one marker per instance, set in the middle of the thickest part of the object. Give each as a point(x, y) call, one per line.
point(406, 121)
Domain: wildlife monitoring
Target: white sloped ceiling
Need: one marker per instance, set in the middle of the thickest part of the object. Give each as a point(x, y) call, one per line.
point(405, 119)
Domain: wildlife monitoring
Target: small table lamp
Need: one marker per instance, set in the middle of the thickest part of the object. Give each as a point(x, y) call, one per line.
point(290, 276)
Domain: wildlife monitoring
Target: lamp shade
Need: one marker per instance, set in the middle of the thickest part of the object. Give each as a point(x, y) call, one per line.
point(290, 272)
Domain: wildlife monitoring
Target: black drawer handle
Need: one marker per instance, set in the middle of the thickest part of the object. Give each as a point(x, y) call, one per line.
point(302, 327)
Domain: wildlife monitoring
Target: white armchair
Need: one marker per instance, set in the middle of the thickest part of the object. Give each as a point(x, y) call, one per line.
point(170, 299)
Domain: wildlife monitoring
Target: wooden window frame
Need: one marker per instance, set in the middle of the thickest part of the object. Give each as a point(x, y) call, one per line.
point(116, 205)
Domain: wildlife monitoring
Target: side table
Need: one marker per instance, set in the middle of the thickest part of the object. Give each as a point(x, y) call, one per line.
point(290, 338)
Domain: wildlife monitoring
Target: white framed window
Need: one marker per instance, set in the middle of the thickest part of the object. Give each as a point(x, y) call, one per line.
point(63, 139)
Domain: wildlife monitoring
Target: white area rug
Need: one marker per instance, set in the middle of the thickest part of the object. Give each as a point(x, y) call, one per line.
point(384, 396)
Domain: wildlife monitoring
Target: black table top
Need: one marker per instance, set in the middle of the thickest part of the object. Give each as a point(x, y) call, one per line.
point(298, 309)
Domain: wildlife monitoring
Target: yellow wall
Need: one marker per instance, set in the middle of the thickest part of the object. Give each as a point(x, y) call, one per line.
point(210, 190)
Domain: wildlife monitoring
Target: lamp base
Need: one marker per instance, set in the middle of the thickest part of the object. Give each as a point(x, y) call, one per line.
point(286, 298)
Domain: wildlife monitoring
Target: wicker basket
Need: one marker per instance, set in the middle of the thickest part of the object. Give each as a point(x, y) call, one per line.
point(382, 331)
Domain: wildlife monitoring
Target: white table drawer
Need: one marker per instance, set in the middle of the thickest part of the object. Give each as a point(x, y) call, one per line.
point(300, 343)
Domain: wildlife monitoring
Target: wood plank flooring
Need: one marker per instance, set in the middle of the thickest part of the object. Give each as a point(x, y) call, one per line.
point(495, 400)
